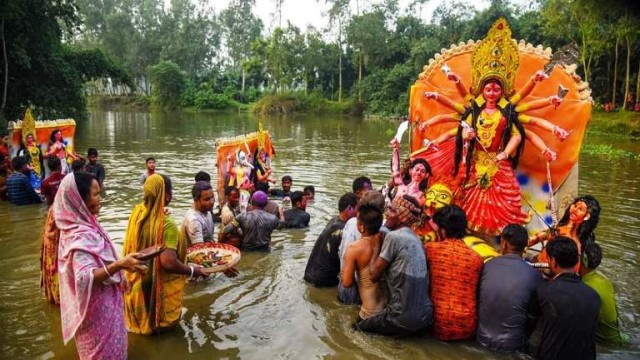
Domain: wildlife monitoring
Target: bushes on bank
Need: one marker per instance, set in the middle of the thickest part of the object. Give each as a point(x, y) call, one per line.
point(292, 103)
point(207, 100)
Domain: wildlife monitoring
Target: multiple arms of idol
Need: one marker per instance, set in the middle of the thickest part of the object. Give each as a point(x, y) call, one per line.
point(524, 119)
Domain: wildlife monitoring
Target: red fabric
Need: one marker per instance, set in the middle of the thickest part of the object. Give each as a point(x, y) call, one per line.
point(50, 186)
point(4, 150)
point(489, 209)
point(454, 271)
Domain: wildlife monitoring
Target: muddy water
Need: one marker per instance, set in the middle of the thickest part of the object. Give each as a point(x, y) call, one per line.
point(268, 311)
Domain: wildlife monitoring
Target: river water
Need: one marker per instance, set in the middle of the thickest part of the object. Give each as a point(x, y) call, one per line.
point(268, 311)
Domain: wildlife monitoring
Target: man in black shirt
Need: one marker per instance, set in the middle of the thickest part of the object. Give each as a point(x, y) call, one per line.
point(286, 181)
point(323, 266)
point(507, 285)
point(297, 217)
point(567, 308)
point(94, 167)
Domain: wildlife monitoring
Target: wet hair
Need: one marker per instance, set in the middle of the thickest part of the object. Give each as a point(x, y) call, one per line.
point(92, 152)
point(296, 197)
point(370, 217)
point(564, 251)
point(359, 183)
point(453, 220)
point(262, 186)
point(346, 200)
point(203, 176)
point(18, 162)
point(509, 113)
point(228, 190)
point(83, 183)
point(52, 137)
point(168, 186)
point(586, 228)
point(309, 188)
point(375, 199)
point(593, 252)
point(516, 235)
point(77, 165)
point(287, 178)
point(198, 188)
point(54, 163)
point(149, 159)
point(425, 183)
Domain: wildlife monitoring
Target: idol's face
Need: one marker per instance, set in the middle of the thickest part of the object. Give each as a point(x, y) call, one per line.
point(492, 91)
point(438, 196)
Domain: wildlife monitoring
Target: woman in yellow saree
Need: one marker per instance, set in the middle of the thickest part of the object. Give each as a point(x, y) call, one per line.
point(154, 303)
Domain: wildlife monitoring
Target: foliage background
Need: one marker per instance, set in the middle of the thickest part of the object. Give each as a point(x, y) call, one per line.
point(182, 53)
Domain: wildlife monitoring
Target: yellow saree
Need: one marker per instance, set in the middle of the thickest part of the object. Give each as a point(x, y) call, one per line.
point(154, 302)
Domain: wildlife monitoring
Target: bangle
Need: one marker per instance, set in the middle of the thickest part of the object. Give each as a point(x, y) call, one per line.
point(104, 266)
point(192, 268)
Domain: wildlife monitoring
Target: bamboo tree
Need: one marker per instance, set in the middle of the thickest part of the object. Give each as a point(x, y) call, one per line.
point(337, 14)
point(6, 68)
point(615, 73)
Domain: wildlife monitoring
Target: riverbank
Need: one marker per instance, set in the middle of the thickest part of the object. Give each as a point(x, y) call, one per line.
point(270, 104)
point(615, 124)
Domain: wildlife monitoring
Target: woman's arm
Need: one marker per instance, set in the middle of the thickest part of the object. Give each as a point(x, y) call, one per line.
point(439, 119)
point(170, 263)
point(549, 154)
point(460, 86)
point(541, 123)
point(540, 103)
point(510, 148)
point(539, 76)
point(459, 108)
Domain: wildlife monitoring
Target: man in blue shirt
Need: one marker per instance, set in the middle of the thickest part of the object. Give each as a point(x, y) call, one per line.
point(19, 189)
point(507, 285)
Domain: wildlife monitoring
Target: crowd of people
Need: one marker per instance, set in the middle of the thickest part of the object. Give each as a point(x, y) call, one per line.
point(103, 295)
point(404, 285)
point(371, 251)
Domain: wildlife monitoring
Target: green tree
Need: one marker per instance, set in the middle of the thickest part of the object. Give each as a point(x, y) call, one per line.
point(241, 28)
point(338, 15)
point(580, 22)
point(168, 84)
point(37, 68)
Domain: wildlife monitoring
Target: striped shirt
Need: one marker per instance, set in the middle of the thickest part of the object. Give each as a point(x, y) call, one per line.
point(20, 191)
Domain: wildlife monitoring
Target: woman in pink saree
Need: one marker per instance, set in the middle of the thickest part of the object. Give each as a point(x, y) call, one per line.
point(91, 300)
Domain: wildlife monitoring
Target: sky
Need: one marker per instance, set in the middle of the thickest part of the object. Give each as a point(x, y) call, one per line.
point(302, 13)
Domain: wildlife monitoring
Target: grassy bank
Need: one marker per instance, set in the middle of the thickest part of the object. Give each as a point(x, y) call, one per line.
point(288, 104)
point(136, 102)
point(615, 124)
point(281, 104)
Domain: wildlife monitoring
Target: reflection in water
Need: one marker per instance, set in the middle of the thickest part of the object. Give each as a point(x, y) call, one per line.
point(268, 311)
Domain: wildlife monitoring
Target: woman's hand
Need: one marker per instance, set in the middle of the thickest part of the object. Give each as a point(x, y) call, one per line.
point(560, 133)
point(549, 154)
point(395, 144)
point(539, 76)
point(502, 156)
point(451, 76)
point(555, 100)
point(231, 272)
point(429, 95)
point(198, 271)
point(469, 134)
point(131, 263)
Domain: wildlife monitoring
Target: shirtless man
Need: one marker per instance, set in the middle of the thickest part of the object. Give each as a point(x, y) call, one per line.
point(359, 254)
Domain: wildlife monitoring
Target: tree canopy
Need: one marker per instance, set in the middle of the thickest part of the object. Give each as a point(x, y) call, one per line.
point(372, 54)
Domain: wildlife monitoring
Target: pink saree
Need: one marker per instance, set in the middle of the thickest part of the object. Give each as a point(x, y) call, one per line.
point(91, 312)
